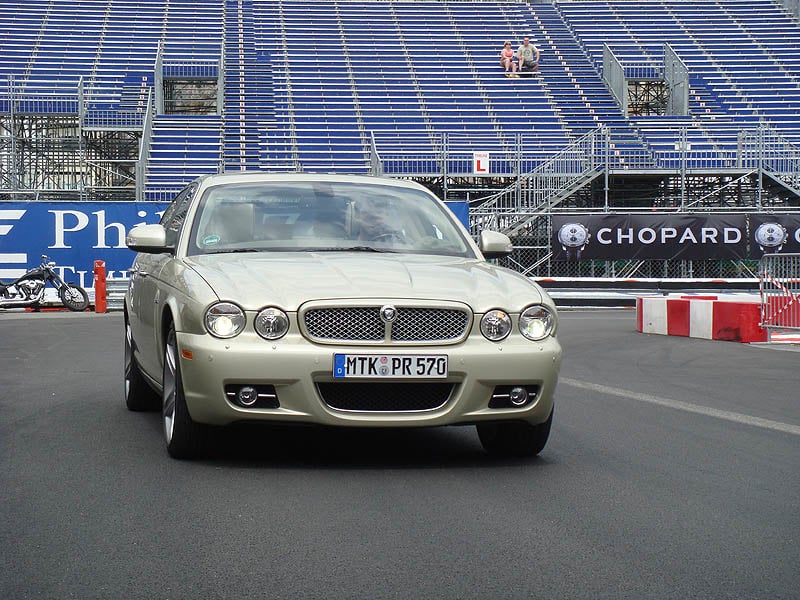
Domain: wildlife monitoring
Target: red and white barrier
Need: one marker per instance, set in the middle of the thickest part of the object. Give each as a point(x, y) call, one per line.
point(733, 317)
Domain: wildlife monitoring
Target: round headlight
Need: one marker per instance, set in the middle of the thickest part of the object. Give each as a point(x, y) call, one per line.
point(536, 323)
point(224, 320)
point(272, 323)
point(495, 325)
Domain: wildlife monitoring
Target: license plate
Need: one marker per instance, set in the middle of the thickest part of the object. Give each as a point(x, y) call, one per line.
point(403, 366)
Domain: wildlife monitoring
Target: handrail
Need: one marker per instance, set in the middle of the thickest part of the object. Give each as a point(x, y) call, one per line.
point(676, 76)
point(549, 180)
point(144, 147)
point(375, 163)
point(765, 150)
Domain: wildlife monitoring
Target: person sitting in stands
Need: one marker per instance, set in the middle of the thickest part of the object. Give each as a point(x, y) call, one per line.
point(507, 60)
point(528, 56)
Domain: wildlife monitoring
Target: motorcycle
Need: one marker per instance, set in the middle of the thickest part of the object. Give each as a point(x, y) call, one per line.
point(28, 290)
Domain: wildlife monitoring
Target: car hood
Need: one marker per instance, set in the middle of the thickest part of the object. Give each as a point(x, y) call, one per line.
point(288, 280)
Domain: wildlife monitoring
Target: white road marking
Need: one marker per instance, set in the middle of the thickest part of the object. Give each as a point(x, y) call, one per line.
point(685, 406)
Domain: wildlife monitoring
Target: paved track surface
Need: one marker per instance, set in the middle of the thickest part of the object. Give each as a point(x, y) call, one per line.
point(673, 471)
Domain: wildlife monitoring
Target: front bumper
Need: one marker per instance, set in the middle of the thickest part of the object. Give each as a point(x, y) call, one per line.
point(294, 366)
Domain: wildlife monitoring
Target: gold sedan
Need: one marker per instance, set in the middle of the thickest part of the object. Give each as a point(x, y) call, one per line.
point(335, 300)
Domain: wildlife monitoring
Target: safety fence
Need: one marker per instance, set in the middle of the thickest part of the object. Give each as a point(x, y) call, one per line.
point(779, 277)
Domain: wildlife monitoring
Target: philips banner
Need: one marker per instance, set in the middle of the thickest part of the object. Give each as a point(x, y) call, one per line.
point(669, 236)
point(73, 234)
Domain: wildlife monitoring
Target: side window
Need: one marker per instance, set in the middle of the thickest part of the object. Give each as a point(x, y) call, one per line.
point(175, 215)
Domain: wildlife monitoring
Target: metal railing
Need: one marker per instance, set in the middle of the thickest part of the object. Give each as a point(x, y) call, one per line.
point(765, 149)
point(676, 75)
point(614, 75)
point(779, 283)
point(144, 148)
point(15, 101)
point(548, 183)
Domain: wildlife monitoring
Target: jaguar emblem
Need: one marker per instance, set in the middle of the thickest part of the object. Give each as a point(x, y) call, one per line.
point(388, 313)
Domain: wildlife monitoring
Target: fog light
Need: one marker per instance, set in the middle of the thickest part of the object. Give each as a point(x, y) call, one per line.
point(518, 396)
point(247, 396)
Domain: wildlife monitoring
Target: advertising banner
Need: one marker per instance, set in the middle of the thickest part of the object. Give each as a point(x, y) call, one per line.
point(73, 234)
point(774, 234)
point(661, 236)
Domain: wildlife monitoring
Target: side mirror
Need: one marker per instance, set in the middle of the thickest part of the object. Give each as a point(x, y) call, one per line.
point(151, 239)
point(494, 244)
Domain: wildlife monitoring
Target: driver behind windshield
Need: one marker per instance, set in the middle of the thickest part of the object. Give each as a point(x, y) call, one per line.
point(377, 222)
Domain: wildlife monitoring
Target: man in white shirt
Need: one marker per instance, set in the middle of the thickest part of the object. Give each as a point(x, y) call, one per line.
point(528, 56)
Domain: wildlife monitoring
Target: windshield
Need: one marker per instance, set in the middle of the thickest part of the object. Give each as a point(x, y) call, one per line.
point(324, 216)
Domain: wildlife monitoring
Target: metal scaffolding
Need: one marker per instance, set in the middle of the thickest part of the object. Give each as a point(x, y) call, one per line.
point(57, 148)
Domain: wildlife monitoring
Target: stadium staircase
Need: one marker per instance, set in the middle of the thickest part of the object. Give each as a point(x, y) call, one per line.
point(182, 147)
point(522, 109)
point(249, 97)
point(186, 143)
point(578, 90)
point(314, 90)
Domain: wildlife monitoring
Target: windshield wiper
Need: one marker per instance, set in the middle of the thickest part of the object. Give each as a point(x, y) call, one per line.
point(352, 249)
point(341, 249)
point(309, 249)
point(234, 250)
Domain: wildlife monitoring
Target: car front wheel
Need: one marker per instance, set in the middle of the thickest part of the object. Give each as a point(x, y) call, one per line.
point(138, 394)
point(514, 438)
point(183, 436)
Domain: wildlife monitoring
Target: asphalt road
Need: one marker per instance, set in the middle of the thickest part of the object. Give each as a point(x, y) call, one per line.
point(673, 471)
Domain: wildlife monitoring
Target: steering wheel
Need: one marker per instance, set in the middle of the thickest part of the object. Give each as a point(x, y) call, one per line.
point(390, 236)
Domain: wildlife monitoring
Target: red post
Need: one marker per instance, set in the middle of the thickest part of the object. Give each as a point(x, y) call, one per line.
point(100, 286)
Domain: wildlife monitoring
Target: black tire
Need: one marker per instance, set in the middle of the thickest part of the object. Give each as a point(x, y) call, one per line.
point(74, 297)
point(514, 438)
point(139, 396)
point(184, 437)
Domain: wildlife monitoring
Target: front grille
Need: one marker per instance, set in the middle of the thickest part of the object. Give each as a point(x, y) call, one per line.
point(353, 323)
point(363, 324)
point(385, 396)
point(424, 324)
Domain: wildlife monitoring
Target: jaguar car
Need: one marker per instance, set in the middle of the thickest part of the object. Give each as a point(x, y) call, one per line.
point(333, 300)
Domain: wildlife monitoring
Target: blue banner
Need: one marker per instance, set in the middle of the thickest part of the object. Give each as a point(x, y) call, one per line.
point(461, 210)
point(73, 234)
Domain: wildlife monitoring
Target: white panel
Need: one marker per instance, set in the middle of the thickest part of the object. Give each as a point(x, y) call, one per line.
point(654, 315)
point(701, 318)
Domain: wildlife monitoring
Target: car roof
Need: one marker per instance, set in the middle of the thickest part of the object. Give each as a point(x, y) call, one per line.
point(260, 176)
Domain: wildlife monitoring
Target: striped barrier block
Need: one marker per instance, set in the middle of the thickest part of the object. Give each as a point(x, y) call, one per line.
point(734, 319)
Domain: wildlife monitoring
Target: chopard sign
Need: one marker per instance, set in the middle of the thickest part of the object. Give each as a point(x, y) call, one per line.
point(669, 236)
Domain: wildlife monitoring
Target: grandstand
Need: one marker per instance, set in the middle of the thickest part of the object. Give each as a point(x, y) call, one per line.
point(645, 104)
